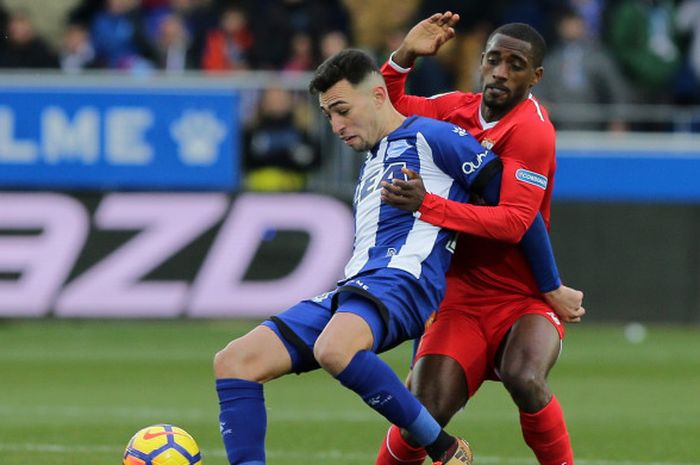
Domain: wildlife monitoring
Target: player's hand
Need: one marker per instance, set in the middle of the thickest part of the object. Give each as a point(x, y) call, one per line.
point(567, 303)
point(406, 195)
point(426, 38)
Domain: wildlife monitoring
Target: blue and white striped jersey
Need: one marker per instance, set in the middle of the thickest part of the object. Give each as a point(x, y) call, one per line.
point(449, 160)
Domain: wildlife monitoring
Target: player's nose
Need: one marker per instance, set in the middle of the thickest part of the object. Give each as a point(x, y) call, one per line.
point(337, 125)
point(500, 71)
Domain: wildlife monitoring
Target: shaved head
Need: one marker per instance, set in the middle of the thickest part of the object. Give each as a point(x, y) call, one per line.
point(352, 65)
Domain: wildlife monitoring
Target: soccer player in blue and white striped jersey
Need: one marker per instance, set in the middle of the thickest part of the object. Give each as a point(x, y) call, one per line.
point(394, 280)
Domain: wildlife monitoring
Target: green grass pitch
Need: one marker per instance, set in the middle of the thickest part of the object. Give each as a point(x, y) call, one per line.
point(73, 392)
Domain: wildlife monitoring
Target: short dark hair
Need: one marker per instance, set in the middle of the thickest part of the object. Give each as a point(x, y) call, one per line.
point(351, 64)
point(526, 33)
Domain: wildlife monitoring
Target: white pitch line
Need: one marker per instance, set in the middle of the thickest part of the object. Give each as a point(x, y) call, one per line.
point(182, 415)
point(333, 454)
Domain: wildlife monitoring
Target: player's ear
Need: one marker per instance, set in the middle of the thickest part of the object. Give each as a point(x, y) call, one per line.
point(380, 95)
point(537, 75)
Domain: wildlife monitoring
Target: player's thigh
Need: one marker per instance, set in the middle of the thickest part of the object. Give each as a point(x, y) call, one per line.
point(400, 307)
point(346, 334)
point(299, 328)
point(531, 347)
point(454, 349)
point(257, 356)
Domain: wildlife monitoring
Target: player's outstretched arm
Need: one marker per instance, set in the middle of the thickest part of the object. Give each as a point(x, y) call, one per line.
point(426, 38)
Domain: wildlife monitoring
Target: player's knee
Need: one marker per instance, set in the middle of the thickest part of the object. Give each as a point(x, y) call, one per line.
point(238, 360)
point(442, 413)
point(331, 356)
point(523, 382)
point(441, 408)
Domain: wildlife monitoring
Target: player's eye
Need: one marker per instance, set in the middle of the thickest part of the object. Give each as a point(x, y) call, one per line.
point(343, 112)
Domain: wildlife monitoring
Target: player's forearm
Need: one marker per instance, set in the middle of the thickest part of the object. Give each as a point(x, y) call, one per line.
point(502, 222)
point(395, 78)
point(404, 57)
point(540, 256)
point(535, 243)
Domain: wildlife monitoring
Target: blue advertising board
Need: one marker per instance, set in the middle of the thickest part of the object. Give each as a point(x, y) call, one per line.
point(107, 138)
point(634, 168)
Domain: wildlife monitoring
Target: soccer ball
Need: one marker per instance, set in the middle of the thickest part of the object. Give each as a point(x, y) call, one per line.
point(162, 445)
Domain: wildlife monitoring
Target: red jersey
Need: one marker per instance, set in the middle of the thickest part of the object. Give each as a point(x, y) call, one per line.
point(488, 263)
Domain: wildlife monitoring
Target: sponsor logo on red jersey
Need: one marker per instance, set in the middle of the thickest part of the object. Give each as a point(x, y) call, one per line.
point(531, 177)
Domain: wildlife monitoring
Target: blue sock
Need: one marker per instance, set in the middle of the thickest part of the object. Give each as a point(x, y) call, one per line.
point(381, 389)
point(242, 420)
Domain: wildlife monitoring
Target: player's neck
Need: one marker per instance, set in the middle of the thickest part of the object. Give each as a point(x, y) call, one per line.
point(394, 121)
point(491, 114)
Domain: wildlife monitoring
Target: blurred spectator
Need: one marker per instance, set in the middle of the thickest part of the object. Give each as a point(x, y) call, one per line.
point(279, 154)
point(3, 17)
point(85, 10)
point(118, 37)
point(227, 47)
point(643, 40)
point(592, 13)
point(199, 19)
point(537, 13)
point(332, 42)
point(77, 52)
point(153, 12)
point(154, 4)
point(370, 20)
point(24, 48)
point(3, 26)
point(578, 70)
point(274, 23)
point(302, 56)
point(688, 20)
point(173, 45)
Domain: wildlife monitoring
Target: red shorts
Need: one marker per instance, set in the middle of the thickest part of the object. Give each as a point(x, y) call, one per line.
point(472, 335)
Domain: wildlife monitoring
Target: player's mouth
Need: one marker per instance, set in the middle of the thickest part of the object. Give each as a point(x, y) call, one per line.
point(496, 91)
point(348, 139)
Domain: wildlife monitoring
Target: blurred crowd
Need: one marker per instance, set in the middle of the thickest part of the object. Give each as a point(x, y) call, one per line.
point(648, 50)
point(600, 51)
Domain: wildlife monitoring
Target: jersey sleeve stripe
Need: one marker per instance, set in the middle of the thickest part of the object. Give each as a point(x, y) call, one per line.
point(537, 106)
point(396, 67)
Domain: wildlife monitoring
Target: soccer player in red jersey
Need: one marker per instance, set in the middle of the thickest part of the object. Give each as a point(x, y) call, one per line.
point(493, 322)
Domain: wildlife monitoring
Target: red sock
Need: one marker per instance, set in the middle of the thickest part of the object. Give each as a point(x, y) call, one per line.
point(545, 433)
point(396, 451)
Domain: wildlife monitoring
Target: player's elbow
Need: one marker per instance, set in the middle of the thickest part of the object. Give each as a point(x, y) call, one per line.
point(514, 232)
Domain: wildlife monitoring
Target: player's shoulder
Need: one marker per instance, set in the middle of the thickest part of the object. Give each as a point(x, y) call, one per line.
point(458, 96)
point(534, 114)
point(456, 102)
point(433, 130)
point(531, 118)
